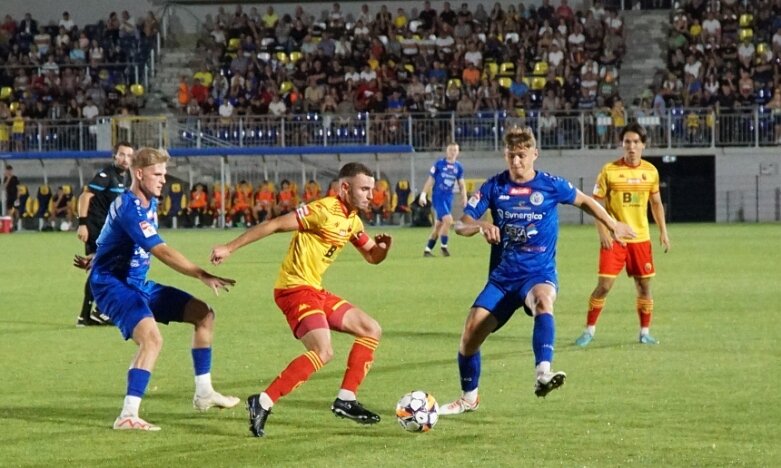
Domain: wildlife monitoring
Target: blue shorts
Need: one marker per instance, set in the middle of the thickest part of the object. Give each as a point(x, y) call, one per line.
point(441, 204)
point(503, 300)
point(127, 303)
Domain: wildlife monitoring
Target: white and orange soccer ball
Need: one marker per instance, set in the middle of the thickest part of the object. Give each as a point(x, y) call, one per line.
point(417, 411)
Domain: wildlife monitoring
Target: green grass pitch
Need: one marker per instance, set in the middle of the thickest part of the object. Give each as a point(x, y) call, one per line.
point(706, 396)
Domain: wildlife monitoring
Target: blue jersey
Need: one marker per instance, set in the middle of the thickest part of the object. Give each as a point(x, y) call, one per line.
point(528, 219)
point(127, 237)
point(445, 175)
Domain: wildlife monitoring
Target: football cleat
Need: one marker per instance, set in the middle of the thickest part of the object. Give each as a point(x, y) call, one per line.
point(133, 423)
point(355, 411)
point(257, 416)
point(82, 322)
point(548, 382)
point(648, 339)
point(445, 251)
point(427, 253)
point(100, 318)
point(214, 399)
point(584, 339)
point(459, 406)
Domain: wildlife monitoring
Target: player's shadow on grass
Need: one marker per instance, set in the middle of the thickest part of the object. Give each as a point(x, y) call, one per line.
point(27, 326)
point(394, 333)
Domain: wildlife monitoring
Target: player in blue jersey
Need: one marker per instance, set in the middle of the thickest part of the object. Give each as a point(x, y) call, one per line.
point(523, 204)
point(118, 280)
point(443, 176)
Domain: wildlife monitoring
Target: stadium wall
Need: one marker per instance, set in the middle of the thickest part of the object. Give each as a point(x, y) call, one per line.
point(747, 181)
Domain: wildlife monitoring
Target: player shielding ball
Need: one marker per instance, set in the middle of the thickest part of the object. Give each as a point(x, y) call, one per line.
point(322, 228)
point(523, 234)
point(626, 187)
point(135, 305)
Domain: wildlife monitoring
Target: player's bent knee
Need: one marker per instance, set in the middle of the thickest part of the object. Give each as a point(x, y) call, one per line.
point(325, 354)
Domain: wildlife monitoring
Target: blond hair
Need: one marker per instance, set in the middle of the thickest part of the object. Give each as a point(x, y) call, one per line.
point(149, 157)
point(520, 137)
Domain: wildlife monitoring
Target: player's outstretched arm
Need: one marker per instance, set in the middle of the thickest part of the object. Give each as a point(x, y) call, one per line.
point(619, 230)
point(176, 261)
point(82, 208)
point(284, 223)
point(375, 250)
point(468, 227)
point(657, 211)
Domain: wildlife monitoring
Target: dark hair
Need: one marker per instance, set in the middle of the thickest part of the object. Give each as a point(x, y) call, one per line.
point(9, 167)
point(634, 127)
point(122, 143)
point(353, 169)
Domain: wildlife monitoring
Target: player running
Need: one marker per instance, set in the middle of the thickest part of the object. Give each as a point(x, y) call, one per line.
point(323, 227)
point(523, 204)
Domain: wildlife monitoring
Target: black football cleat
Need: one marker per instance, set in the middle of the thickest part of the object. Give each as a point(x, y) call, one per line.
point(355, 411)
point(257, 416)
point(445, 251)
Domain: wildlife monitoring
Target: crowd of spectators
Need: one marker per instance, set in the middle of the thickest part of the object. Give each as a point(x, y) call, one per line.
point(428, 61)
point(60, 71)
point(723, 55)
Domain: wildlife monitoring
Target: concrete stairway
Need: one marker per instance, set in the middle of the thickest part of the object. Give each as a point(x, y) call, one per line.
point(173, 63)
point(646, 44)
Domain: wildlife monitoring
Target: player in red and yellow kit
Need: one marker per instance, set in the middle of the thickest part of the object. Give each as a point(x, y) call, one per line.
point(323, 228)
point(625, 187)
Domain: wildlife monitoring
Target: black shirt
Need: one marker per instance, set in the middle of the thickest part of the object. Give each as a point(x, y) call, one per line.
point(11, 191)
point(105, 186)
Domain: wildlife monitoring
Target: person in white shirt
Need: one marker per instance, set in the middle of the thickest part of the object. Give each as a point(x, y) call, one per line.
point(66, 22)
point(277, 106)
point(90, 110)
point(226, 109)
point(711, 27)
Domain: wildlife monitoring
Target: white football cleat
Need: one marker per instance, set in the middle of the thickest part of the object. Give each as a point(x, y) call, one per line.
point(214, 399)
point(130, 423)
point(459, 406)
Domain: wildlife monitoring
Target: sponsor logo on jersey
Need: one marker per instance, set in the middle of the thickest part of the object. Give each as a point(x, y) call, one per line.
point(504, 214)
point(474, 200)
point(147, 229)
point(520, 191)
point(536, 199)
point(504, 197)
point(302, 211)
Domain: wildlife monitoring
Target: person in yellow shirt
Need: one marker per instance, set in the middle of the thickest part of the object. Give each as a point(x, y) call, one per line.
point(626, 187)
point(323, 227)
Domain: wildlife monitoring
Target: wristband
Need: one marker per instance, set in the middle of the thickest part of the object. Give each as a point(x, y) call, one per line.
point(82, 220)
point(482, 233)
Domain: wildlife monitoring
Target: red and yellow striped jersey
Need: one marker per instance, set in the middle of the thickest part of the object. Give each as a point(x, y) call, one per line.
point(324, 227)
point(626, 191)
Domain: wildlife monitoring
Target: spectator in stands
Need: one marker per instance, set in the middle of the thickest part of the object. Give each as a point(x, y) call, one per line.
point(11, 186)
point(127, 26)
point(287, 198)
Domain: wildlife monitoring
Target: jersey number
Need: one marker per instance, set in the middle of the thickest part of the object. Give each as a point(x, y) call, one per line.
point(627, 197)
point(330, 252)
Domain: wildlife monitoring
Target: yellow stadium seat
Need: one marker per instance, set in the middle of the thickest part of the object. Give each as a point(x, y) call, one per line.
point(492, 68)
point(6, 92)
point(745, 34)
point(13, 106)
point(137, 89)
point(538, 82)
point(762, 47)
point(409, 67)
point(746, 20)
point(560, 79)
point(121, 89)
point(454, 83)
point(505, 81)
point(295, 56)
point(507, 69)
point(527, 81)
point(285, 87)
point(281, 56)
point(234, 43)
point(541, 68)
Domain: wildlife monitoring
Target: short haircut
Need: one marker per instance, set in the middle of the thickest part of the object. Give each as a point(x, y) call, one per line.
point(634, 127)
point(121, 143)
point(353, 169)
point(9, 167)
point(149, 157)
point(520, 137)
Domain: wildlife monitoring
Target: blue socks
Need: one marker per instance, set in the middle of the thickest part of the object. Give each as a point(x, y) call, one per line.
point(137, 381)
point(443, 239)
point(469, 369)
point(202, 360)
point(431, 244)
point(543, 337)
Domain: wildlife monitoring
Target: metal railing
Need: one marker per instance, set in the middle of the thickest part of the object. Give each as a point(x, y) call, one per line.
point(576, 130)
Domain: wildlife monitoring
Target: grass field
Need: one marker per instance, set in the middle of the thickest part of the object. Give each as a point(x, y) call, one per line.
point(706, 396)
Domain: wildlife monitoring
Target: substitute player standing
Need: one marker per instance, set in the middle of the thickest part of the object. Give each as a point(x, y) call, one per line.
point(625, 187)
point(523, 232)
point(443, 176)
point(135, 305)
point(323, 227)
point(93, 205)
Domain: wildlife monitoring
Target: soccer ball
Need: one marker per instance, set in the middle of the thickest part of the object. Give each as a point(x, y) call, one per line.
point(417, 411)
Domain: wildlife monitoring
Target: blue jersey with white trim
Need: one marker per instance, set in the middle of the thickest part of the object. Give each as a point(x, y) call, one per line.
point(127, 237)
point(446, 175)
point(528, 219)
